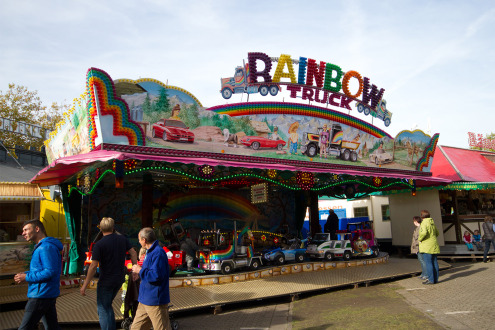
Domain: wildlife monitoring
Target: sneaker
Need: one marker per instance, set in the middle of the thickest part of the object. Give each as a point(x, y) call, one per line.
point(427, 282)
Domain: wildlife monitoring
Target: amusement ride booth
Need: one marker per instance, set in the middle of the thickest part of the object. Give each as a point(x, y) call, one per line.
point(150, 154)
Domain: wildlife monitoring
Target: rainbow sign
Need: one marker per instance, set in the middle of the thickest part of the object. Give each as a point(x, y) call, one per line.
point(270, 108)
point(101, 89)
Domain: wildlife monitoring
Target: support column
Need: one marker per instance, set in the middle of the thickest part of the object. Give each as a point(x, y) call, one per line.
point(457, 221)
point(147, 201)
point(314, 214)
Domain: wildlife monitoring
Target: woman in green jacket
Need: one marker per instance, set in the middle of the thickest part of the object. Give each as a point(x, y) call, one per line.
point(428, 246)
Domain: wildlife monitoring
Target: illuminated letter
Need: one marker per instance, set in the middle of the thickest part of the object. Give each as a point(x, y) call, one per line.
point(307, 94)
point(254, 74)
point(345, 83)
point(315, 71)
point(344, 102)
point(331, 99)
point(329, 79)
point(293, 90)
point(372, 95)
point(317, 96)
point(302, 70)
point(279, 71)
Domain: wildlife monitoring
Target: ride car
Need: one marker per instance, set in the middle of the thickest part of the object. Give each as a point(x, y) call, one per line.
point(279, 255)
point(256, 142)
point(380, 156)
point(362, 237)
point(172, 130)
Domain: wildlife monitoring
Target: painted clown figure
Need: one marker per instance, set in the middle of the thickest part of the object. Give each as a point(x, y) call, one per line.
point(293, 138)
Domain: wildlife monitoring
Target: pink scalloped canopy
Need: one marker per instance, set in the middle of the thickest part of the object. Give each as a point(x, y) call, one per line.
point(63, 169)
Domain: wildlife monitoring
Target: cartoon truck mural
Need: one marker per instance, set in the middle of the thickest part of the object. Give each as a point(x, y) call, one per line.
point(241, 83)
point(224, 252)
point(345, 150)
point(380, 111)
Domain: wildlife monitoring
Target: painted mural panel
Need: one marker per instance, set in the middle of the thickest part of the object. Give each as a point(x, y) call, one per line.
point(72, 135)
point(149, 113)
point(281, 130)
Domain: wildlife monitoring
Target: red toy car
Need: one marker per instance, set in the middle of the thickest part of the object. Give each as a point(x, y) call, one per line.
point(172, 130)
point(175, 260)
point(257, 142)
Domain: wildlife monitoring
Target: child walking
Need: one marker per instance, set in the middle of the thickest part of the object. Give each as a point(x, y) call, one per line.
point(468, 240)
point(477, 240)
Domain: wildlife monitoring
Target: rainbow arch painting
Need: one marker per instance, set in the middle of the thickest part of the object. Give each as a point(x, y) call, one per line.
point(270, 108)
point(207, 204)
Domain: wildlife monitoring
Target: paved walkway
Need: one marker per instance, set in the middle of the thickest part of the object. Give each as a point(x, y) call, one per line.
point(463, 299)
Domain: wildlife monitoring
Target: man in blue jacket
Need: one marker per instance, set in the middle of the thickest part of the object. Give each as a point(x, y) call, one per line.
point(43, 277)
point(154, 295)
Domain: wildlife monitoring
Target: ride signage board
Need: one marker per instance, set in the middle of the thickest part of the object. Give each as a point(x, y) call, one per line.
point(259, 193)
point(148, 113)
point(322, 82)
point(481, 142)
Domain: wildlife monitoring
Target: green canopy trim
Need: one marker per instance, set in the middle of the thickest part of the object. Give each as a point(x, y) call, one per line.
point(469, 186)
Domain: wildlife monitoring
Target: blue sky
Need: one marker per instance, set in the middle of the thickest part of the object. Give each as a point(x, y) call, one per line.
point(435, 59)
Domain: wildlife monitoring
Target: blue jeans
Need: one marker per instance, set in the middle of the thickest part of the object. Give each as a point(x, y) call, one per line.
point(432, 270)
point(487, 247)
point(423, 265)
point(104, 298)
point(293, 148)
point(37, 309)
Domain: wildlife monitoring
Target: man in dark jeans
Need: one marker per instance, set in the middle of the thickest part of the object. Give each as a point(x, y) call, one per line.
point(109, 254)
point(43, 277)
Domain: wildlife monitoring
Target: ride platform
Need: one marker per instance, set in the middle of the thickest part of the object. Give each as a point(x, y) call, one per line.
point(214, 291)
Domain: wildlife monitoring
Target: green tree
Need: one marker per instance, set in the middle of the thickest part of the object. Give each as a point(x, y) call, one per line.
point(243, 124)
point(162, 105)
point(147, 107)
point(18, 104)
point(190, 116)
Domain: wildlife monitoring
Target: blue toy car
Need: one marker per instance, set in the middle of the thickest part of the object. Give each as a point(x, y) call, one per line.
point(280, 255)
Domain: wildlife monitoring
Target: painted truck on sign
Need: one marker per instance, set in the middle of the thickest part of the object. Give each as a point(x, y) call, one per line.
point(337, 146)
point(380, 111)
point(241, 83)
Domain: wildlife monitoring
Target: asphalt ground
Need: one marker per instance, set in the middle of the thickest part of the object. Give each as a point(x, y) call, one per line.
point(463, 299)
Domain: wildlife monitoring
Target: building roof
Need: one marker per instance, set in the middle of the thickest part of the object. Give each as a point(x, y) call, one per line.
point(11, 171)
point(465, 165)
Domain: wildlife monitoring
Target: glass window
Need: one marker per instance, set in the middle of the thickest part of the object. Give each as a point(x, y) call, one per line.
point(361, 212)
point(12, 217)
point(385, 213)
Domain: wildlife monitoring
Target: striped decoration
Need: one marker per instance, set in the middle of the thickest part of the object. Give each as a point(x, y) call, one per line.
point(110, 104)
point(296, 109)
point(428, 153)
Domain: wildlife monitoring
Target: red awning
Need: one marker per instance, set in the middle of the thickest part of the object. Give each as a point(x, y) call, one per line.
point(458, 164)
point(63, 169)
